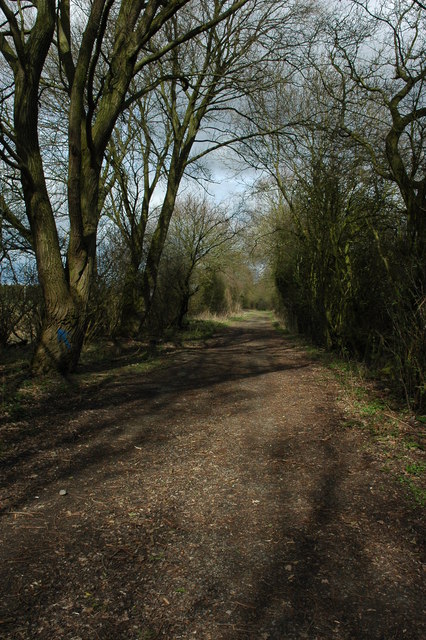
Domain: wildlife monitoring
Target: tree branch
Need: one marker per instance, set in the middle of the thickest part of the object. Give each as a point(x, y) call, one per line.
point(15, 222)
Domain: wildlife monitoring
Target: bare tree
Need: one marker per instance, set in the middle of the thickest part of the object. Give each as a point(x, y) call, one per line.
point(101, 47)
point(200, 92)
point(200, 233)
point(378, 53)
point(139, 152)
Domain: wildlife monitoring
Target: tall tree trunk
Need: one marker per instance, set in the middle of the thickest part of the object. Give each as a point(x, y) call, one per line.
point(62, 332)
point(132, 305)
point(184, 304)
point(59, 345)
point(413, 192)
point(66, 290)
point(66, 294)
point(150, 273)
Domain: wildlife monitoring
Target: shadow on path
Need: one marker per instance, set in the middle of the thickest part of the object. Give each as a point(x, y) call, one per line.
point(69, 435)
point(217, 497)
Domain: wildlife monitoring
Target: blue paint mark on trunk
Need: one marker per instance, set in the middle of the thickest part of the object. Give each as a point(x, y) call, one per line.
point(62, 336)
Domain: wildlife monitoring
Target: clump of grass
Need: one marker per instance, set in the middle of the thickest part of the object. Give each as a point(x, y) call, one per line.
point(413, 444)
point(280, 328)
point(370, 408)
point(416, 469)
point(196, 330)
point(417, 493)
point(199, 329)
point(218, 318)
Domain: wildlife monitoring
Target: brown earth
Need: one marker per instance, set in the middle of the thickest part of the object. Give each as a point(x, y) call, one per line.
point(218, 497)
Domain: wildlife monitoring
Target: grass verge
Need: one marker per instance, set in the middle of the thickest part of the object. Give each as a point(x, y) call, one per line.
point(394, 434)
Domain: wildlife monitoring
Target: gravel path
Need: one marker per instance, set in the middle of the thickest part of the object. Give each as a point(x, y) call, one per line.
point(218, 497)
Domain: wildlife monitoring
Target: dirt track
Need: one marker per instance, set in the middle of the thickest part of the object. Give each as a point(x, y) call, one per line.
point(219, 497)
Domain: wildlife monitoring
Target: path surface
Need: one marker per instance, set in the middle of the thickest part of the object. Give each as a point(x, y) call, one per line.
point(217, 498)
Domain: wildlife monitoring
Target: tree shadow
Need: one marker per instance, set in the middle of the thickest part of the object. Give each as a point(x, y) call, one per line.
point(319, 582)
point(85, 428)
point(327, 583)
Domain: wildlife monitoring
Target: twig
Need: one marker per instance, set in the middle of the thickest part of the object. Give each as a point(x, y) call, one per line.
point(246, 606)
point(389, 415)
